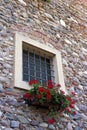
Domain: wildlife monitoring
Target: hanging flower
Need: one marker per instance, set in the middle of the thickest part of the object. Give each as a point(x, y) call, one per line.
point(58, 85)
point(48, 90)
point(62, 92)
point(50, 96)
point(41, 89)
point(67, 110)
point(50, 84)
point(73, 101)
point(73, 93)
point(31, 82)
point(74, 112)
point(27, 95)
point(71, 106)
point(51, 121)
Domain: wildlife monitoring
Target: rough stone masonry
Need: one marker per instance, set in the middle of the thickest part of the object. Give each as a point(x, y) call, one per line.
point(62, 24)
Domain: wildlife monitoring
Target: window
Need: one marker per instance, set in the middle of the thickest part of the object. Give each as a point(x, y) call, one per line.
point(37, 66)
point(34, 60)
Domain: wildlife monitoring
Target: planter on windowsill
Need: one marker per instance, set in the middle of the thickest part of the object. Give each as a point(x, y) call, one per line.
point(36, 104)
point(49, 97)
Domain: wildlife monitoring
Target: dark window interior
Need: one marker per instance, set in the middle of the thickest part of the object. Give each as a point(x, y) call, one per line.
point(36, 66)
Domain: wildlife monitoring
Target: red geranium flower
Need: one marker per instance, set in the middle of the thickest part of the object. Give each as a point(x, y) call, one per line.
point(48, 91)
point(51, 121)
point(41, 89)
point(62, 92)
point(73, 93)
point(69, 98)
point(61, 111)
point(33, 82)
point(49, 81)
point(50, 86)
point(58, 85)
point(68, 110)
point(30, 82)
point(71, 106)
point(49, 96)
point(74, 112)
point(73, 101)
point(27, 95)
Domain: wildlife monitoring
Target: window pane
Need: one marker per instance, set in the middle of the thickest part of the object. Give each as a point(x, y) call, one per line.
point(37, 73)
point(25, 65)
point(25, 77)
point(25, 70)
point(31, 58)
point(32, 77)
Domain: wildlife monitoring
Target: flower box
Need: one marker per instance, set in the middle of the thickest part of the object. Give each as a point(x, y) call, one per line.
point(49, 97)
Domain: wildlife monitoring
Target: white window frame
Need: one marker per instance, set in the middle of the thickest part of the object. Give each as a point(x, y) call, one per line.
point(57, 62)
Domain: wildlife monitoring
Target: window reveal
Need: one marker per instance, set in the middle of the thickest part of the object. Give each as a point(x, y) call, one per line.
point(36, 66)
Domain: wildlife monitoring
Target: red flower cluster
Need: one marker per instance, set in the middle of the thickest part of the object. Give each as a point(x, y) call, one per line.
point(51, 121)
point(67, 110)
point(71, 100)
point(27, 95)
point(45, 91)
point(50, 84)
point(71, 106)
point(48, 90)
point(33, 82)
point(41, 89)
point(49, 96)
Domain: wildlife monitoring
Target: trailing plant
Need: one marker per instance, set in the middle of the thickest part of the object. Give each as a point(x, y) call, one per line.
point(50, 96)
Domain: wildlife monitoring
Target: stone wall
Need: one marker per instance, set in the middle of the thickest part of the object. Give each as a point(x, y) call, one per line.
point(60, 23)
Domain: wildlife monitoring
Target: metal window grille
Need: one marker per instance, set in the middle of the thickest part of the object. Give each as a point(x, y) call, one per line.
point(36, 66)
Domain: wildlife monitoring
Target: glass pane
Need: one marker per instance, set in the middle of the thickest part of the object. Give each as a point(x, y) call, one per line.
point(31, 58)
point(37, 68)
point(49, 77)
point(32, 72)
point(38, 74)
point(25, 70)
point(25, 77)
point(44, 81)
point(25, 65)
point(32, 66)
point(48, 60)
point(32, 77)
point(43, 76)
